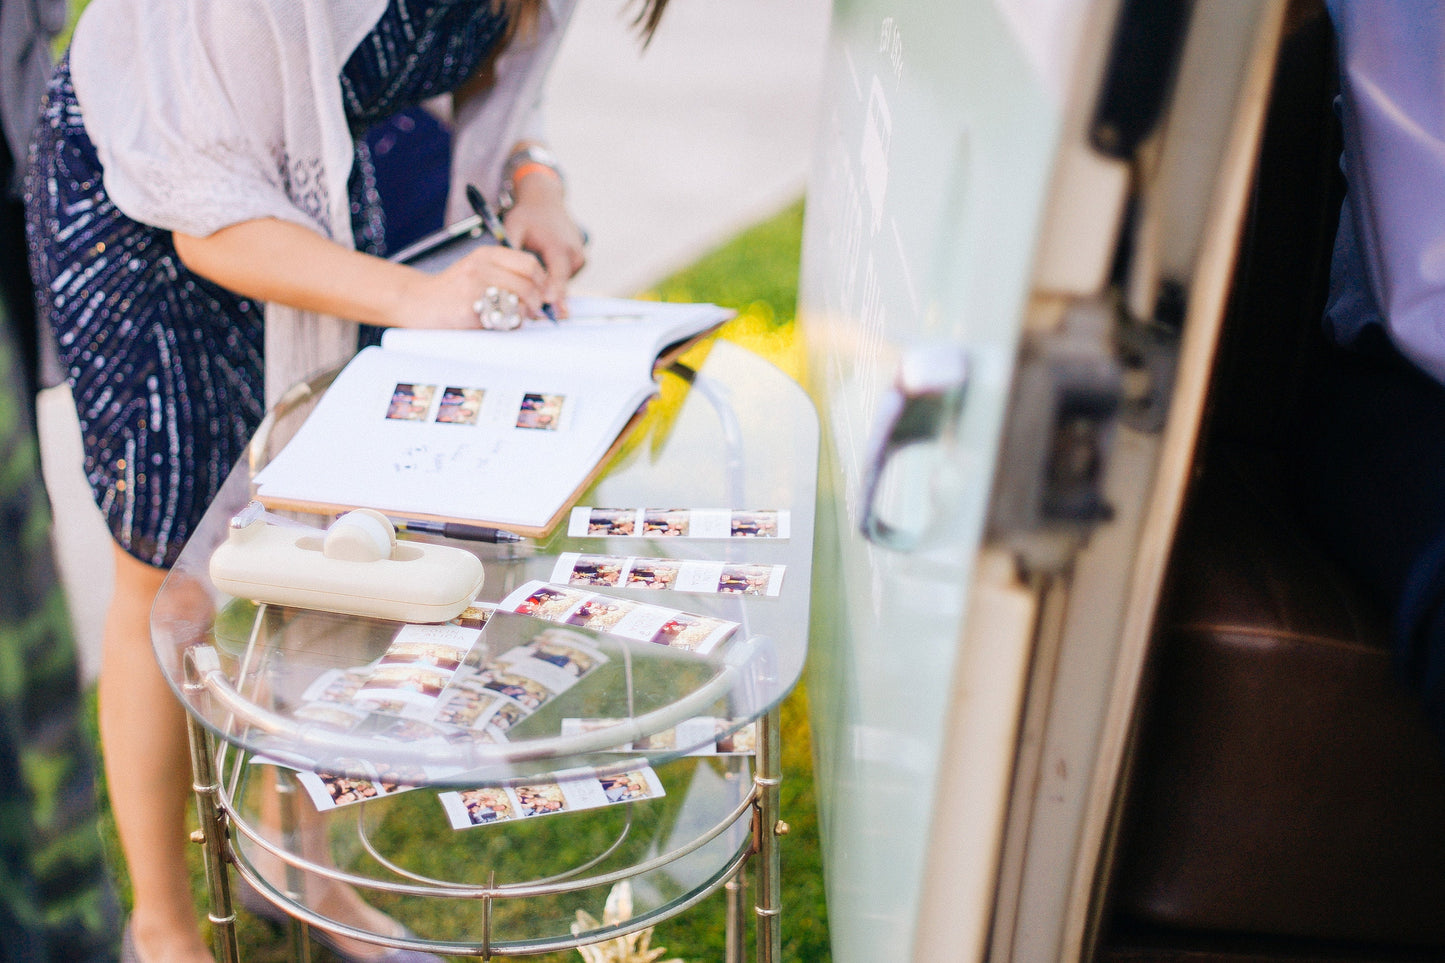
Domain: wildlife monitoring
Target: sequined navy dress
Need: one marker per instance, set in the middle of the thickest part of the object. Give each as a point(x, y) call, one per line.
point(165, 366)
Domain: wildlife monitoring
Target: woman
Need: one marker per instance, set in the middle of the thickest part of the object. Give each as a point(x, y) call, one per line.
point(196, 159)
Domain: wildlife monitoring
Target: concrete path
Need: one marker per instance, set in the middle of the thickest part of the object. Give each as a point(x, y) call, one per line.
point(668, 151)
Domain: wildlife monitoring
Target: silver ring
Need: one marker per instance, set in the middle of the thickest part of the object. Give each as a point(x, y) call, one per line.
point(498, 310)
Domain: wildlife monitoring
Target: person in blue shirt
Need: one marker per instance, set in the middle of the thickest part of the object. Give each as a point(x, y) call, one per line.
point(1374, 479)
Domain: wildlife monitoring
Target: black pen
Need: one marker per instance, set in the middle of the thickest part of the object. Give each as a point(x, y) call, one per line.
point(493, 225)
point(458, 530)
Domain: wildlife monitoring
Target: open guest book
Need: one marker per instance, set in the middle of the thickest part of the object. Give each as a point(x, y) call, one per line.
point(502, 428)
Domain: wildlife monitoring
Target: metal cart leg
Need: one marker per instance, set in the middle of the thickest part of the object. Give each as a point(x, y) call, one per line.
point(212, 837)
point(769, 778)
point(736, 923)
point(298, 933)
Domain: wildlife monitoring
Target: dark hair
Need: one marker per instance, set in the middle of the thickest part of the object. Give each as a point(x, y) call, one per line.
point(521, 17)
point(649, 14)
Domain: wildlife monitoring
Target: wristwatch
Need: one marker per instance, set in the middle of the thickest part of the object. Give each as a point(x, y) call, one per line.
point(519, 165)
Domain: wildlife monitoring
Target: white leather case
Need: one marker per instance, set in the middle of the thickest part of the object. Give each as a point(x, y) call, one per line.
point(356, 567)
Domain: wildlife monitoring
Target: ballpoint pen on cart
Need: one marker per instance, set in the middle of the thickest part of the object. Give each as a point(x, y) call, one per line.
point(493, 226)
point(458, 530)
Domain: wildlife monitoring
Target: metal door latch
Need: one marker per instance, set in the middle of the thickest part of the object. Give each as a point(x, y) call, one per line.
point(1068, 389)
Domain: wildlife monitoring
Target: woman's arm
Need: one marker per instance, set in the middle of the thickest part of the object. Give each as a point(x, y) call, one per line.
point(539, 222)
point(274, 260)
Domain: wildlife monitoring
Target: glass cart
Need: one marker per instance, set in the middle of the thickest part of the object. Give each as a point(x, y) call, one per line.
point(573, 758)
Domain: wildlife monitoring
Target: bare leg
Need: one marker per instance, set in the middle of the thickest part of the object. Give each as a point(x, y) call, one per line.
point(147, 766)
point(331, 899)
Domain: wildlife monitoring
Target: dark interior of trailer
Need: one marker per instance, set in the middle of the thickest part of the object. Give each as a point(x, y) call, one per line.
point(1286, 798)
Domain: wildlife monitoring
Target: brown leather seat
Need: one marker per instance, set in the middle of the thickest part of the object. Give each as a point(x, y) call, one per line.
point(1286, 784)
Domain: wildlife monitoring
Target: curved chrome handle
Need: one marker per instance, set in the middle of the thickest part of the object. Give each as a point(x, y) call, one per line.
point(923, 406)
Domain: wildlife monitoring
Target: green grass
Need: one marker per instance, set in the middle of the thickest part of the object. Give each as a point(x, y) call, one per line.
point(758, 269)
point(756, 274)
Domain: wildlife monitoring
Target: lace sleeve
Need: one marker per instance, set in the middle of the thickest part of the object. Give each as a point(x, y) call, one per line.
point(220, 111)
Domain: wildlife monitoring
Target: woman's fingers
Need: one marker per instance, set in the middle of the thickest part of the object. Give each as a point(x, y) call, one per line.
point(539, 223)
point(563, 260)
point(507, 270)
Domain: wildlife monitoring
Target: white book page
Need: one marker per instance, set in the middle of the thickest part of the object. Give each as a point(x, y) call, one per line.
point(468, 447)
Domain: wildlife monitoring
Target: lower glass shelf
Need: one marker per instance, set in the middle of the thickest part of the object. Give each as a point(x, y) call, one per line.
point(509, 886)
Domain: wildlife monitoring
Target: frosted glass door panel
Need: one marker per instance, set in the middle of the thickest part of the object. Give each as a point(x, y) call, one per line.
point(939, 126)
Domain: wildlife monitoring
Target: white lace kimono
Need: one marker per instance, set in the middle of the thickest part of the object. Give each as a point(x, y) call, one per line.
point(206, 113)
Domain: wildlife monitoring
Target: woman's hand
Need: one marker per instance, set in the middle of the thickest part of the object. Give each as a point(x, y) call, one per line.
point(450, 298)
point(539, 223)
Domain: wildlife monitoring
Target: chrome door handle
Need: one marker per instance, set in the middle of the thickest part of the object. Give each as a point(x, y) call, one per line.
point(923, 407)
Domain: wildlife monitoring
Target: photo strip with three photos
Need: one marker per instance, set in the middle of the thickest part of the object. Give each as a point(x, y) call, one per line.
point(568, 792)
point(639, 621)
point(669, 574)
point(700, 523)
